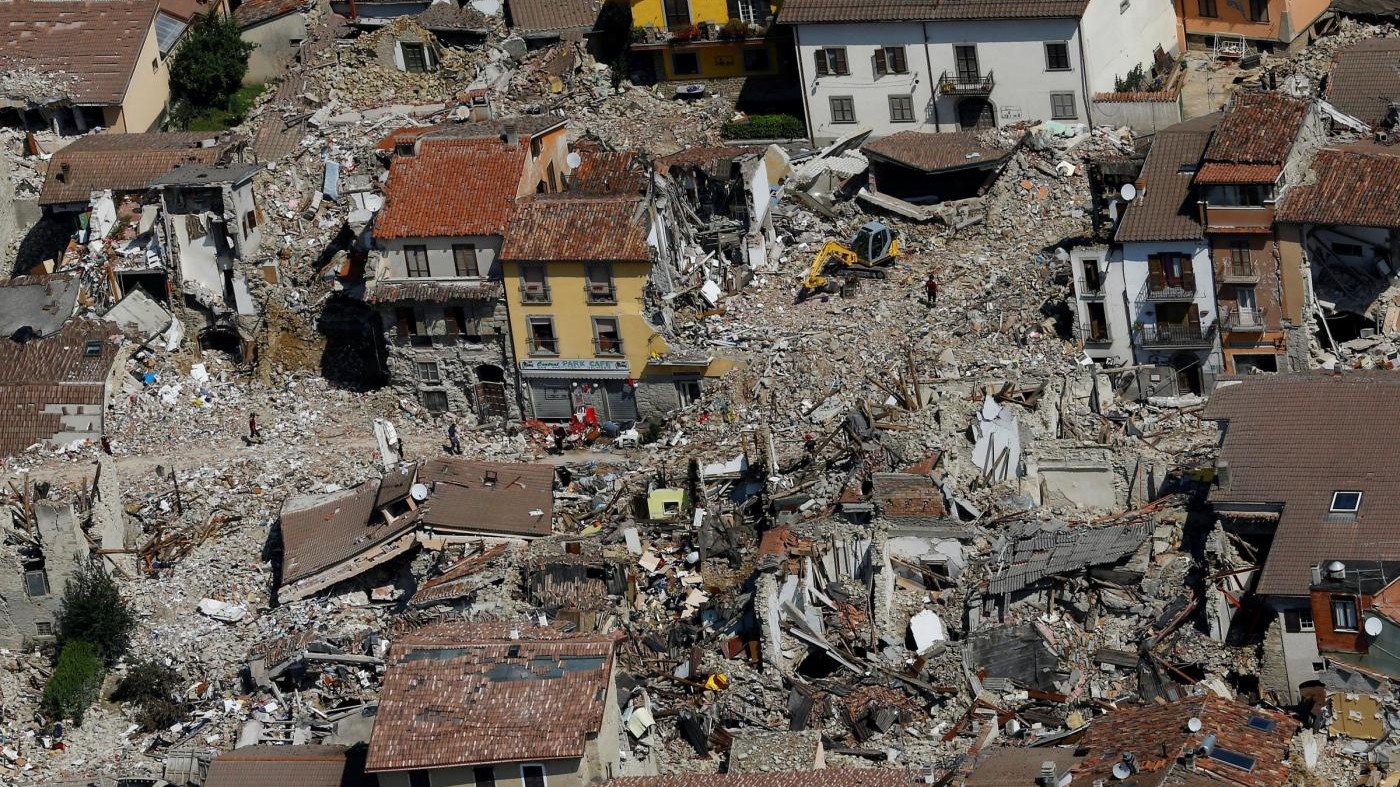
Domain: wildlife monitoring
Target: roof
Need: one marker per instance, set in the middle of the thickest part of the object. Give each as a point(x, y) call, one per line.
point(452, 188)
point(205, 174)
point(448, 17)
point(432, 291)
point(1338, 430)
point(254, 12)
point(547, 18)
point(1351, 185)
point(570, 228)
point(185, 9)
point(1365, 78)
point(830, 777)
point(933, 152)
point(96, 42)
point(1165, 208)
point(606, 172)
point(458, 580)
point(120, 162)
point(1156, 735)
point(1044, 548)
point(57, 370)
point(1257, 128)
point(43, 303)
point(468, 693)
point(521, 503)
point(1225, 173)
point(1001, 766)
point(334, 529)
point(258, 766)
point(1365, 577)
point(708, 159)
point(845, 11)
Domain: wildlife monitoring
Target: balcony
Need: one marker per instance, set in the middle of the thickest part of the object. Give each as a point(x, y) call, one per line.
point(1166, 291)
point(600, 292)
point(1179, 336)
point(607, 346)
point(1242, 320)
point(1237, 271)
point(1093, 335)
point(544, 346)
point(534, 292)
point(1089, 291)
point(965, 84)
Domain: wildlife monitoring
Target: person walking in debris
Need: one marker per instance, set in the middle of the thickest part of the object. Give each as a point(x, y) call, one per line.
point(559, 434)
point(809, 444)
point(931, 289)
point(253, 434)
point(453, 440)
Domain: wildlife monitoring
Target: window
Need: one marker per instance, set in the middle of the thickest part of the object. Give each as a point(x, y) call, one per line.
point(843, 109)
point(418, 779)
point(1262, 723)
point(901, 109)
point(1123, 6)
point(1062, 106)
point(406, 318)
point(1305, 619)
point(1232, 758)
point(155, 64)
point(536, 146)
point(685, 63)
point(435, 401)
point(417, 259)
point(93, 347)
point(541, 337)
point(1343, 613)
point(1057, 56)
point(294, 42)
point(1092, 277)
point(1258, 10)
point(1348, 250)
point(752, 11)
point(965, 59)
point(415, 58)
point(756, 59)
point(1206, 8)
point(403, 148)
point(891, 60)
point(250, 221)
point(599, 282)
point(534, 287)
point(459, 325)
point(831, 61)
point(484, 776)
point(553, 176)
point(607, 338)
point(464, 256)
point(1251, 195)
point(687, 392)
point(44, 628)
point(1346, 502)
point(677, 13)
point(36, 583)
point(532, 775)
point(428, 372)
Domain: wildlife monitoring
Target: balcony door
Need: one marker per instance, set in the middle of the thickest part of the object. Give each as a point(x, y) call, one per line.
point(965, 59)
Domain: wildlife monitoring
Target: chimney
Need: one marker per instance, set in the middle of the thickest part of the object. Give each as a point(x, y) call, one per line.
point(1048, 774)
point(1317, 574)
point(1336, 570)
point(510, 134)
point(1222, 474)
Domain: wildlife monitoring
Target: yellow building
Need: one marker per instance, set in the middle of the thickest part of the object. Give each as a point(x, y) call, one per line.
point(706, 39)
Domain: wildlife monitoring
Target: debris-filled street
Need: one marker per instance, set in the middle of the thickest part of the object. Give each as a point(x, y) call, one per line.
point(607, 393)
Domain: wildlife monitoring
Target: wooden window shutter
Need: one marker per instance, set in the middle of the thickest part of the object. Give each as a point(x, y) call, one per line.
point(840, 65)
point(1193, 316)
point(404, 317)
point(882, 61)
point(899, 64)
point(820, 57)
point(1188, 274)
point(1155, 274)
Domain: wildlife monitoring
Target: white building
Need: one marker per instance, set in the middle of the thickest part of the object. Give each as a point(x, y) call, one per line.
point(950, 65)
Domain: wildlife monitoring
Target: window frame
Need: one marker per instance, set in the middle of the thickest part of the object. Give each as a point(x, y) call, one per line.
point(419, 778)
point(1306, 623)
point(831, 61)
point(542, 296)
point(1050, 62)
point(437, 395)
point(676, 70)
point(427, 372)
point(1334, 508)
point(1207, 9)
point(837, 115)
point(490, 781)
point(422, 50)
point(907, 99)
point(616, 333)
point(41, 574)
point(891, 60)
point(1351, 610)
point(1262, 9)
point(544, 774)
point(672, 15)
point(473, 264)
point(531, 320)
point(1055, 113)
point(420, 252)
point(756, 50)
point(591, 293)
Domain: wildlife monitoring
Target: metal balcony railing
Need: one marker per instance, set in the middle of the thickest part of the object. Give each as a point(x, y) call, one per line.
point(1183, 289)
point(1182, 336)
point(534, 293)
point(598, 292)
point(1090, 291)
point(1093, 335)
point(966, 84)
point(606, 346)
point(1242, 319)
point(1238, 272)
point(544, 346)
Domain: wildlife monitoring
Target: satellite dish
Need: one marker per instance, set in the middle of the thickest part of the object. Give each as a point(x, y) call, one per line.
point(1121, 770)
point(418, 492)
point(1373, 627)
point(1193, 724)
point(573, 160)
point(1128, 192)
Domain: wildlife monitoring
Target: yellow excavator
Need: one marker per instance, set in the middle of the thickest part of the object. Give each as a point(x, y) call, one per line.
point(872, 247)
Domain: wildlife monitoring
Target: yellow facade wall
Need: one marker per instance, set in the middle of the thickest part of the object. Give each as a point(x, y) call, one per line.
point(718, 59)
point(653, 12)
point(573, 314)
point(148, 91)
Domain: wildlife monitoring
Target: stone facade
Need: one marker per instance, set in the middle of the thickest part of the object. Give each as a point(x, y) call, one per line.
point(32, 578)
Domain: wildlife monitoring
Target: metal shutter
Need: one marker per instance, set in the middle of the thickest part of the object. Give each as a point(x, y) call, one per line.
point(551, 399)
point(622, 401)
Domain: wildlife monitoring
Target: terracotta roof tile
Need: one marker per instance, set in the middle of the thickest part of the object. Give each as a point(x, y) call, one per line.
point(448, 17)
point(931, 152)
point(261, 766)
point(606, 172)
point(707, 159)
point(254, 12)
point(1165, 209)
point(552, 17)
point(459, 579)
point(1222, 172)
point(452, 188)
point(318, 537)
point(1257, 128)
point(830, 777)
point(96, 41)
point(563, 228)
point(1365, 79)
point(1293, 440)
point(468, 693)
point(520, 504)
point(1353, 185)
point(1007, 766)
point(820, 11)
point(53, 371)
point(121, 162)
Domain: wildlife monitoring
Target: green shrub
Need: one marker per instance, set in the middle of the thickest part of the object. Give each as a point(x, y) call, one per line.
point(75, 682)
point(1136, 81)
point(765, 127)
point(151, 687)
point(94, 611)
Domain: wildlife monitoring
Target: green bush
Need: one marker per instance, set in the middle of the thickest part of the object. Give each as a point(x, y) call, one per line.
point(75, 682)
point(765, 127)
point(94, 611)
point(209, 64)
point(151, 686)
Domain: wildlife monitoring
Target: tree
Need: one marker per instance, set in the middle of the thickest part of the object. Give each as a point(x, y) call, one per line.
point(75, 681)
point(94, 611)
point(150, 686)
point(209, 63)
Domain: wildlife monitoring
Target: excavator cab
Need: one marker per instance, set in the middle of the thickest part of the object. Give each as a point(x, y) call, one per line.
point(873, 243)
point(872, 246)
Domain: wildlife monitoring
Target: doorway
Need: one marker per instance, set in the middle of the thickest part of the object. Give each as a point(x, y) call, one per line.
point(491, 392)
point(976, 114)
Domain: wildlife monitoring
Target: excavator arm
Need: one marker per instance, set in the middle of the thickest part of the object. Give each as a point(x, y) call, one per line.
point(833, 256)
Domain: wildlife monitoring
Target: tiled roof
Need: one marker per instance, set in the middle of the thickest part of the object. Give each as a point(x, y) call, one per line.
point(1365, 79)
point(96, 41)
point(121, 162)
point(932, 152)
point(186, 9)
point(820, 11)
point(830, 777)
point(432, 291)
point(1005, 766)
point(448, 17)
point(1357, 186)
point(469, 693)
point(458, 580)
point(255, 12)
point(1257, 128)
point(322, 535)
point(1156, 735)
point(552, 17)
point(263, 766)
point(564, 227)
point(1294, 440)
point(707, 159)
point(606, 172)
point(452, 188)
point(53, 371)
point(521, 503)
point(1165, 208)
point(1224, 172)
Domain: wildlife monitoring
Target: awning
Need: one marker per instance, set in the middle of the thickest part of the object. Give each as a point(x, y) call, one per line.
point(576, 369)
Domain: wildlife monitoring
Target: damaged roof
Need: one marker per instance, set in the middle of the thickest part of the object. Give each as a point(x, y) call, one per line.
point(834, 11)
point(1357, 185)
point(332, 530)
point(708, 159)
point(305, 765)
point(452, 188)
point(606, 172)
point(251, 13)
point(69, 367)
point(1156, 735)
point(827, 777)
point(564, 228)
point(1257, 128)
point(1339, 432)
point(505, 498)
point(1040, 549)
point(550, 18)
point(936, 152)
point(89, 46)
point(471, 693)
point(121, 162)
point(459, 579)
point(1165, 208)
point(1365, 79)
point(42, 303)
point(448, 17)
point(1001, 766)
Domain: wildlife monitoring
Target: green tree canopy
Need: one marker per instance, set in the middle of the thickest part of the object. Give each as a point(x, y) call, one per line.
point(94, 611)
point(209, 63)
